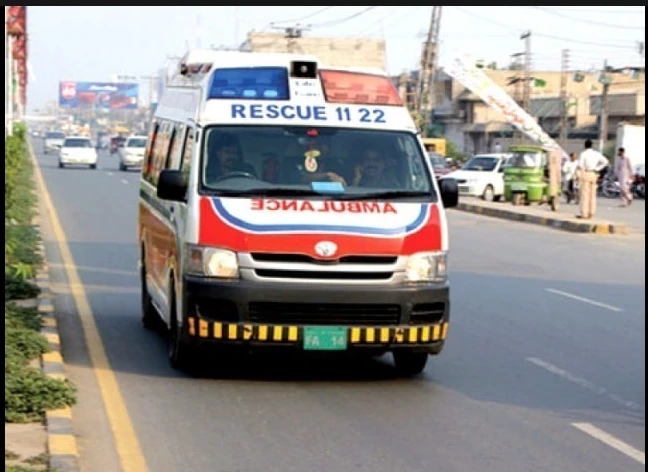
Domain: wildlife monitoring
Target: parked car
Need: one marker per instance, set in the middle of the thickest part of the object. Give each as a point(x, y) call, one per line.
point(482, 176)
point(53, 141)
point(78, 150)
point(439, 164)
point(132, 153)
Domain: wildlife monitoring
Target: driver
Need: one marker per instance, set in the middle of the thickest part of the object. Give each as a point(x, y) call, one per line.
point(224, 156)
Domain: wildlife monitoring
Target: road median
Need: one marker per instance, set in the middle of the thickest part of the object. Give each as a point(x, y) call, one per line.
point(541, 216)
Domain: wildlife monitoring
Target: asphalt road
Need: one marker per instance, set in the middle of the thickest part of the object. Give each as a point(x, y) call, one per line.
point(547, 331)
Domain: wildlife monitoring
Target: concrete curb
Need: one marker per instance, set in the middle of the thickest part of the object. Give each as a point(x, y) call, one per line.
point(586, 227)
point(61, 441)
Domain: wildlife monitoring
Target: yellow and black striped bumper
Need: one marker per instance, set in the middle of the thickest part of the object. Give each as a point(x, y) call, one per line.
point(282, 334)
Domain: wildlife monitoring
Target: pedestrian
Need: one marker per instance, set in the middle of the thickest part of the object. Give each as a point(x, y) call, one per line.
point(498, 147)
point(624, 174)
point(570, 173)
point(590, 163)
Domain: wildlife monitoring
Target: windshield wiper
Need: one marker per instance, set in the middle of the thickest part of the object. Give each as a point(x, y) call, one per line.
point(267, 192)
point(390, 194)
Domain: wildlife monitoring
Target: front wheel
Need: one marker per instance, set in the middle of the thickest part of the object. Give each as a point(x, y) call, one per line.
point(93, 166)
point(518, 199)
point(150, 318)
point(409, 363)
point(180, 353)
point(489, 193)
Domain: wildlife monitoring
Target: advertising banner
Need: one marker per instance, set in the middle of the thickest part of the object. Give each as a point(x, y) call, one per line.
point(99, 95)
point(464, 69)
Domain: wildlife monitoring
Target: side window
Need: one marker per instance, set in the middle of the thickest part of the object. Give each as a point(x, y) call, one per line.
point(150, 146)
point(187, 153)
point(173, 161)
point(160, 152)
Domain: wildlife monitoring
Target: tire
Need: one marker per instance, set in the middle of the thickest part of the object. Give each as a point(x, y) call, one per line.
point(61, 165)
point(555, 203)
point(518, 199)
point(122, 167)
point(180, 353)
point(150, 318)
point(93, 166)
point(410, 363)
point(489, 193)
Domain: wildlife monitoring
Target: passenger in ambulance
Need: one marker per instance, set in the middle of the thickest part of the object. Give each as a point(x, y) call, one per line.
point(371, 170)
point(224, 156)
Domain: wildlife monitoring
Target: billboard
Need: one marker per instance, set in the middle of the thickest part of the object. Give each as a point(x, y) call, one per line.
point(101, 95)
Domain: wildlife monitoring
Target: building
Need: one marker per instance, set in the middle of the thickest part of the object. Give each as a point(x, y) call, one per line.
point(474, 127)
point(333, 52)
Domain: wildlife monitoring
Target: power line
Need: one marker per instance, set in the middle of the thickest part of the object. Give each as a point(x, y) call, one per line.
point(541, 35)
point(590, 22)
point(311, 15)
point(342, 20)
point(590, 10)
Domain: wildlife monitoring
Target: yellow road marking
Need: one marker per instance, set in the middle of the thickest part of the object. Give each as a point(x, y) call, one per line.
point(128, 447)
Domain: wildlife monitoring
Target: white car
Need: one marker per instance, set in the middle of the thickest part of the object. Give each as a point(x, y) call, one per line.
point(131, 154)
point(53, 141)
point(78, 150)
point(482, 176)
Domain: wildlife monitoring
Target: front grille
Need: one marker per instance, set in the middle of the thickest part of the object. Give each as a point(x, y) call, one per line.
point(324, 314)
point(322, 275)
point(461, 181)
point(303, 258)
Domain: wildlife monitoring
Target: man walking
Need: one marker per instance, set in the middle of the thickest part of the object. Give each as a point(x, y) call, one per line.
point(623, 172)
point(590, 163)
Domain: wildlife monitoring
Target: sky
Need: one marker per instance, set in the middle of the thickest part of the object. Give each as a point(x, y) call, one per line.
point(94, 43)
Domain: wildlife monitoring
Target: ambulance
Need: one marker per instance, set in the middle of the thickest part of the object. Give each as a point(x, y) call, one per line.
point(288, 204)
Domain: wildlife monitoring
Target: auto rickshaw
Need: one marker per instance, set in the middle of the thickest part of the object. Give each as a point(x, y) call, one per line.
point(527, 177)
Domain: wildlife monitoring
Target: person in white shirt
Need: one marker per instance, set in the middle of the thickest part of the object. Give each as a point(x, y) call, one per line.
point(498, 147)
point(590, 163)
point(569, 176)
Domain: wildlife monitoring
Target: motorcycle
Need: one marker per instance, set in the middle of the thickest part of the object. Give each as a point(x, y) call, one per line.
point(638, 186)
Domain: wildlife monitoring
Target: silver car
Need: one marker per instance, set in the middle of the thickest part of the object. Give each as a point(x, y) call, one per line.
point(53, 141)
point(131, 154)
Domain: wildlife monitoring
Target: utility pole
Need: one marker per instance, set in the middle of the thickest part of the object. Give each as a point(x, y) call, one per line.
point(603, 131)
point(563, 96)
point(526, 91)
point(425, 89)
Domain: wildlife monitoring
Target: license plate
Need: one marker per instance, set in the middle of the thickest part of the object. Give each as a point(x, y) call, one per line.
point(325, 338)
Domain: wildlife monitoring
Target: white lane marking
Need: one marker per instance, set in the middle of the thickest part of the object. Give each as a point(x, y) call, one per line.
point(586, 384)
point(611, 441)
point(583, 299)
point(124, 181)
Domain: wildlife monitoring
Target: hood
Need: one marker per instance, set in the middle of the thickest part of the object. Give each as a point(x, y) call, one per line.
point(297, 226)
point(467, 174)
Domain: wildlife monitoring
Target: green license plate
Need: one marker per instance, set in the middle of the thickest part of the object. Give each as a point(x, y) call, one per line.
point(325, 338)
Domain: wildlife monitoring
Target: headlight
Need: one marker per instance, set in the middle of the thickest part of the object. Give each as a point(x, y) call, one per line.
point(211, 262)
point(426, 267)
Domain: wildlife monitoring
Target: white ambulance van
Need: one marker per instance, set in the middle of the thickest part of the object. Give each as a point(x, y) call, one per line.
point(288, 204)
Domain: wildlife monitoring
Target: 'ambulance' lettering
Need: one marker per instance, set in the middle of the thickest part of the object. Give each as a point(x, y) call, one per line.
point(326, 206)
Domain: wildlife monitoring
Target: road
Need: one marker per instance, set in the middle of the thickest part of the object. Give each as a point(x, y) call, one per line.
point(544, 368)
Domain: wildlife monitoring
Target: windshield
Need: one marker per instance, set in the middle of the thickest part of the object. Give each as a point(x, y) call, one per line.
point(437, 161)
point(77, 143)
point(276, 160)
point(527, 159)
point(136, 143)
point(481, 163)
point(55, 135)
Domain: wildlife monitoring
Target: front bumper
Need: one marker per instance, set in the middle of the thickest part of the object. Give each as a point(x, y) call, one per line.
point(380, 318)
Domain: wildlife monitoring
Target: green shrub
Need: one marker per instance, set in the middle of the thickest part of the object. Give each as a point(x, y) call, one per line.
point(21, 317)
point(30, 344)
point(29, 393)
point(16, 288)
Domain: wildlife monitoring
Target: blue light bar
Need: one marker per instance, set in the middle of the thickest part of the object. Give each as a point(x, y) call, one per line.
point(251, 83)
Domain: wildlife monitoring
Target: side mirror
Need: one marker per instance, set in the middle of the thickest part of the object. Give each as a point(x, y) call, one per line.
point(449, 192)
point(172, 185)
